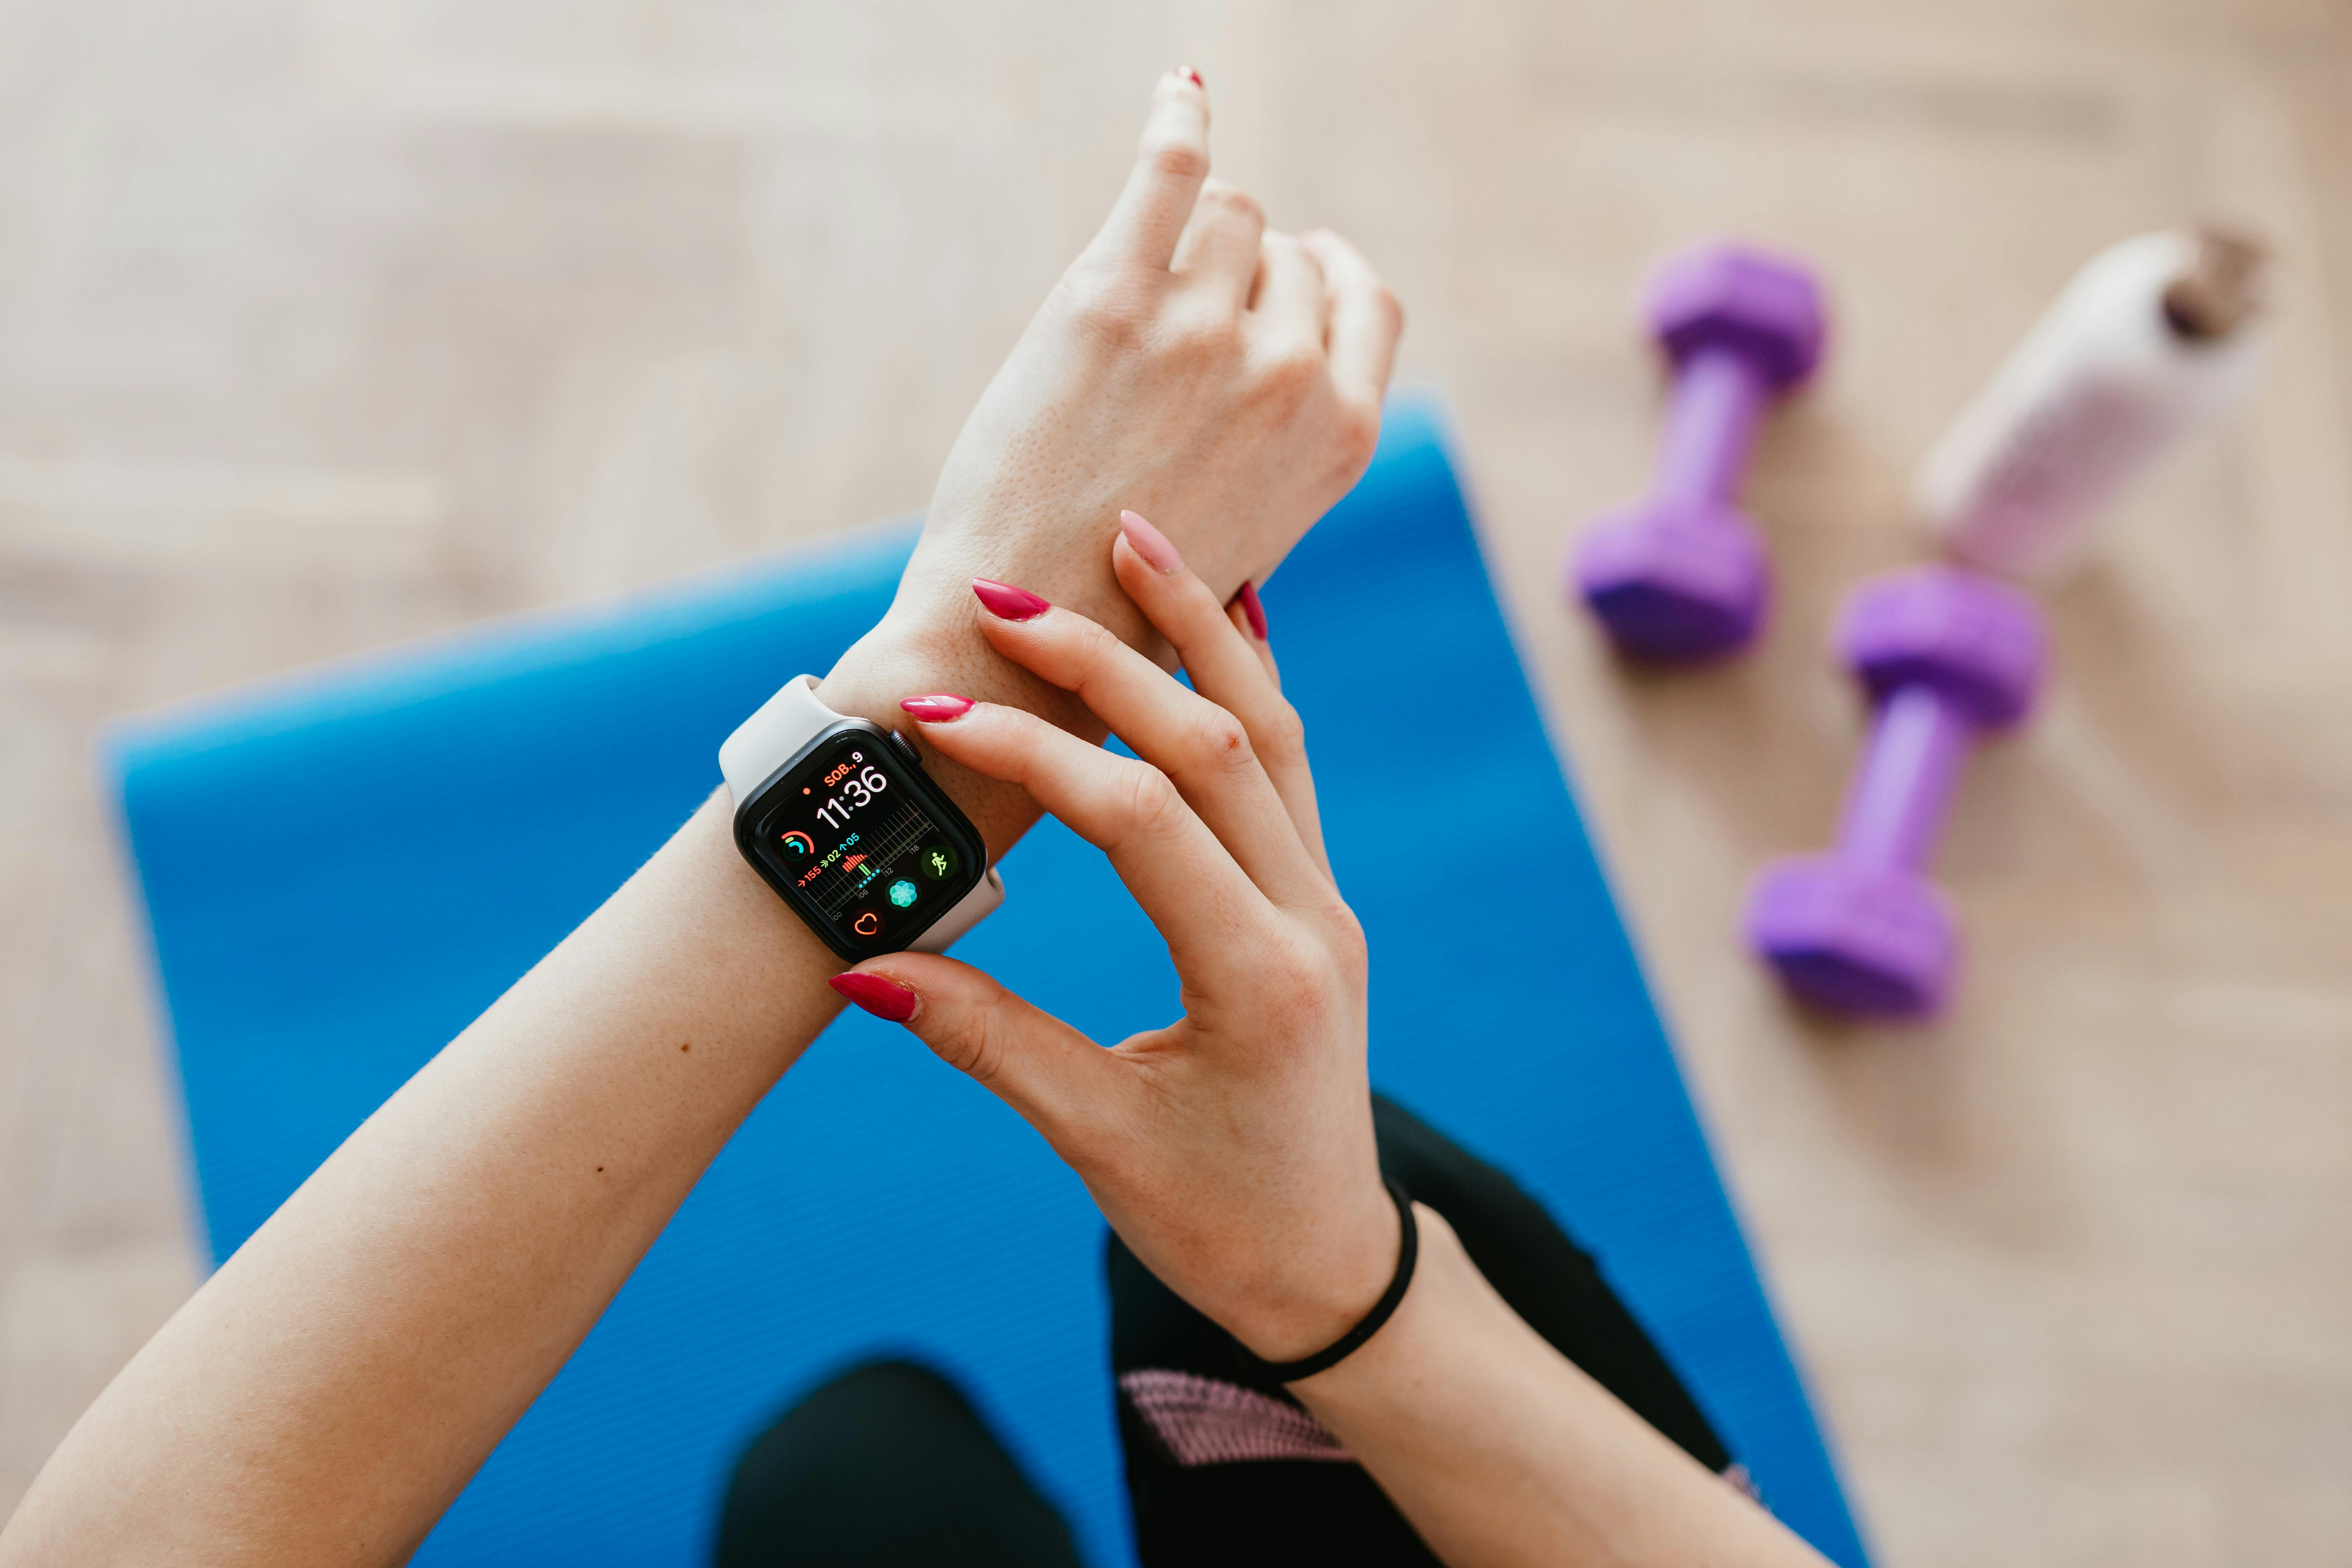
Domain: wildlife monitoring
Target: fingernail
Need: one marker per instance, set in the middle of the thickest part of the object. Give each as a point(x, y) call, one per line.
point(883, 998)
point(1149, 544)
point(1189, 74)
point(939, 708)
point(1247, 598)
point(1007, 603)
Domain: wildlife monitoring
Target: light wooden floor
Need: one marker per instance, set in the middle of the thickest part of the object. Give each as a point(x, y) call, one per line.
point(326, 324)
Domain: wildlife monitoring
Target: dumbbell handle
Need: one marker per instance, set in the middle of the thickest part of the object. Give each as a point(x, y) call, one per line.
point(1893, 814)
point(1711, 417)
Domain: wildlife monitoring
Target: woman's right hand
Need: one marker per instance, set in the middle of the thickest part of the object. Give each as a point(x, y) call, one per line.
point(1222, 377)
point(1233, 1149)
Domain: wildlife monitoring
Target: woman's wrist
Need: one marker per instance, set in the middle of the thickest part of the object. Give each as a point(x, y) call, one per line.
point(1444, 1298)
point(890, 663)
point(1500, 1451)
point(1331, 1290)
point(930, 642)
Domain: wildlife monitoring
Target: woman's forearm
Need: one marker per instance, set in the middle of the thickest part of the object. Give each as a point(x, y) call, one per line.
point(1502, 1452)
point(326, 1393)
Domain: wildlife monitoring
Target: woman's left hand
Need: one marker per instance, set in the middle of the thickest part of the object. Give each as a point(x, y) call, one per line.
point(1233, 1149)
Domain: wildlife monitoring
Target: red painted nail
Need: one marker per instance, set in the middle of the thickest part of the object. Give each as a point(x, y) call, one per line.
point(1007, 603)
point(1150, 543)
point(883, 998)
point(1189, 74)
point(939, 708)
point(1252, 610)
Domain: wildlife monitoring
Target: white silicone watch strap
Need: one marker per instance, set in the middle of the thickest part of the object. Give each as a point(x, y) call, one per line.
point(971, 909)
point(766, 742)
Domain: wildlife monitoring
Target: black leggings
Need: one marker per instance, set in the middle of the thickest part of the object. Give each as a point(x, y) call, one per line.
point(889, 1466)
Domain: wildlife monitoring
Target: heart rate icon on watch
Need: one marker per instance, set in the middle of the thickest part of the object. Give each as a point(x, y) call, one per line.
point(867, 924)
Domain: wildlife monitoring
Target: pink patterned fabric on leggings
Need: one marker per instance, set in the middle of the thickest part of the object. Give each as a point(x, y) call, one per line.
point(1204, 1422)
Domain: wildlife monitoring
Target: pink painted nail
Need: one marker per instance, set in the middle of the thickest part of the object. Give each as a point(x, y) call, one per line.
point(1189, 74)
point(939, 708)
point(883, 998)
point(1007, 603)
point(1150, 543)
point(1252, 610)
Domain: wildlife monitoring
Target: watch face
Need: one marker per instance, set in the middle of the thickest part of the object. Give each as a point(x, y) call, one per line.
point(856, 838)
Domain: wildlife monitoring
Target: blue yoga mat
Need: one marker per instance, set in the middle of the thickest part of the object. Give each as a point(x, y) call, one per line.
point(343, 868)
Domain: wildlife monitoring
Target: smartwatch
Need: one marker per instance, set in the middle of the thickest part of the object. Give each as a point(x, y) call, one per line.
point(837, 815)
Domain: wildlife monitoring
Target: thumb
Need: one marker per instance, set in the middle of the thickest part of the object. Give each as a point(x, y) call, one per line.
point(1041, 1068)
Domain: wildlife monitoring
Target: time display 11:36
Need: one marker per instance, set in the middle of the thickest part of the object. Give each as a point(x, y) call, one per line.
point(859, 790)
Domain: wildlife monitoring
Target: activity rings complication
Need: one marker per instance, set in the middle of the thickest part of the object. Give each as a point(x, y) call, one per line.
point(837, 814)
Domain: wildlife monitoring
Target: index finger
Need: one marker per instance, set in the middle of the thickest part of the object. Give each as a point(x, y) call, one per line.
point(1205, 906)
point(1229, 668)
point(1206, 749)
point(1152, 210)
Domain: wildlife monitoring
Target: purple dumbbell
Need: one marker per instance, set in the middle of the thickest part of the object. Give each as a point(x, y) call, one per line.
point(1946, 654)
point(1681, 573)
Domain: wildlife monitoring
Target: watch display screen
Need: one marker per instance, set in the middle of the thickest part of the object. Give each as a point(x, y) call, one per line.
point(853, 835)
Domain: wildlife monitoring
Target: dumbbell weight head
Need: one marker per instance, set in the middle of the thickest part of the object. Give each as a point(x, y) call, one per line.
point(1672, 578)
point(1861, 941)
point(1978, 643)
point(1862, 930)
point(1682, 573)
point(1766, 308)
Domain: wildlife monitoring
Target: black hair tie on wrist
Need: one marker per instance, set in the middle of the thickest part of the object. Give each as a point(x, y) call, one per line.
point(1348, 1343)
